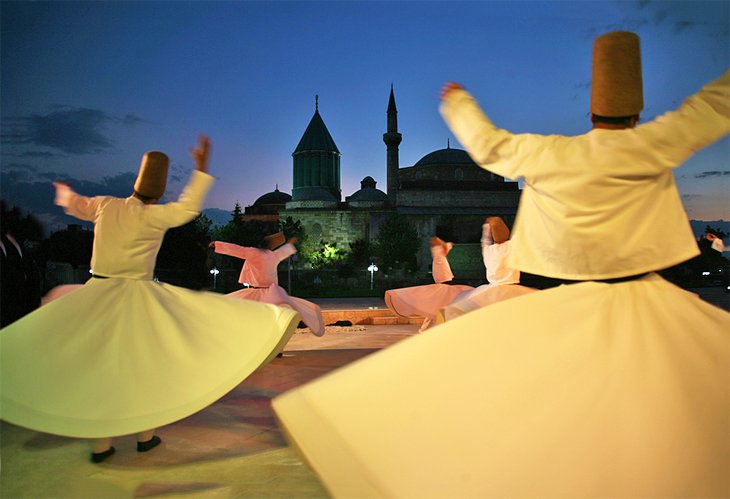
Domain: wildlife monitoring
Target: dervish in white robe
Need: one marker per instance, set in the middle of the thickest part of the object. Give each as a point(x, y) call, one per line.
point(259, 272)
point(616, 386)
point(426, 300)
point(504, 281)
point(123, 354)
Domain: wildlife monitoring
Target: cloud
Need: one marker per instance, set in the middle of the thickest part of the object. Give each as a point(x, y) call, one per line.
point(131, 120)
point(680, 26)
point(70, 130)
point(39, 154)
point(25, 186)
point(714, 173)
point(20, 166)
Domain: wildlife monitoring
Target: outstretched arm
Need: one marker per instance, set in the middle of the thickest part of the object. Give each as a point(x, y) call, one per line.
point(487, 239)
point(491, 148)
point(81, 207)
point(701, 120)
point(190, 202)
point(231, 249)
point(285, 251)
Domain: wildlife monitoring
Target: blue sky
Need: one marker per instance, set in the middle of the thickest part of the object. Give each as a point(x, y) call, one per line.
point(87, 87)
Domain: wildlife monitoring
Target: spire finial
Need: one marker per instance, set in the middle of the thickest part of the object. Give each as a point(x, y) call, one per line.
point(277, 187)
point(316, 102)
point(448, 143)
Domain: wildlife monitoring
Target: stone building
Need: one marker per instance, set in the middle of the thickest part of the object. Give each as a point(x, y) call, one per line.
point(445, 193)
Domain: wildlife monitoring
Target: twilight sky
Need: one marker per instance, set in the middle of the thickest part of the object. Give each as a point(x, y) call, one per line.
point(87, 87)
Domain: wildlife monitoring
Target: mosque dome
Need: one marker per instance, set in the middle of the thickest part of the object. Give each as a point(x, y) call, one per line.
point(450, 169)
point(367, 196)
point(316, 163)
point(270, 203)
point(446, 156)
point(275, 197)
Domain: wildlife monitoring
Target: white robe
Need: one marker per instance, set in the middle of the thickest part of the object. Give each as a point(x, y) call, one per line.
point(426, 301)
point(504, 281)
point(583, 390)
point(260, 272)
point(124, 354)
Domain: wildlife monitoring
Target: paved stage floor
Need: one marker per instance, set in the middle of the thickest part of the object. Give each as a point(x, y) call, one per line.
point(232, 449)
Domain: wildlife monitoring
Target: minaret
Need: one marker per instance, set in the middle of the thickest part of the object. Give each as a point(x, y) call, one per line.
point(392, 139)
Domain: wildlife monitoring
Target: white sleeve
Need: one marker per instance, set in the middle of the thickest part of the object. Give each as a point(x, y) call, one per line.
point(187, 206)
point(487, 239)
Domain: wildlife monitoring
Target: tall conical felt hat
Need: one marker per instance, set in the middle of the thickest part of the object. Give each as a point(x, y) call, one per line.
point(273, 241)
point(152, 177)
point(500, 232)
point(616, 86)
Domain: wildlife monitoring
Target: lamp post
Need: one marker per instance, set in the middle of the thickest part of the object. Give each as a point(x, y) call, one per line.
point(372, 268)
point(215, 273)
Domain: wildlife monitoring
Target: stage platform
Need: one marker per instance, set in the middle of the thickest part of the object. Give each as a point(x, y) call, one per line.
point(371, 311)
point(232, 449)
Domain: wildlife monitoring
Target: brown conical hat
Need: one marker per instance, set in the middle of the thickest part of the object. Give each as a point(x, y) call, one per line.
point(152, 177)
point(616, 86)
point(273, 241)
point(500, 232)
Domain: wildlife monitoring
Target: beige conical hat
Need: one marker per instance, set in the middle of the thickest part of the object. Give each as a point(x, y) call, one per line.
point(616, 86)
point(152, 177)
point(273, 241)
point(500, 232)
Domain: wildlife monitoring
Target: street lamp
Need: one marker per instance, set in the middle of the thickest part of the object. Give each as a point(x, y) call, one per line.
point(215, 273)
point(372, 268)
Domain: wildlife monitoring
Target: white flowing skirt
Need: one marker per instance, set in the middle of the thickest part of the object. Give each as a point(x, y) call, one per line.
point(584, 390)
point(482, 296)
point(120, 356)
point(423, 301)
point(276, 295)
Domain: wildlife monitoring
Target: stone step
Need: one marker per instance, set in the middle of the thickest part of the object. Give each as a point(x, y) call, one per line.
point(393, 320)
point(381, 316)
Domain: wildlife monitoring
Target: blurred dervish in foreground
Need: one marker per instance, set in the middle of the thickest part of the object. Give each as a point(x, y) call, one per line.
point(124, 354)
point(613, 385)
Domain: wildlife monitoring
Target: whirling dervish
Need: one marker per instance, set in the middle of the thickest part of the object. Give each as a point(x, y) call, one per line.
point(124, 354)
point(260, 276)
point(426, 300)
point(504, 281)
point(614, 384)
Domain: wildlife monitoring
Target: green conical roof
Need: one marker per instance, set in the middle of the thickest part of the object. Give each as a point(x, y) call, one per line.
point(316, 137)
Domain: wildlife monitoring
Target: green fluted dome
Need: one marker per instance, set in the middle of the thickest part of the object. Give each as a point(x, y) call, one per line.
point(316, 164)
point(316, 137)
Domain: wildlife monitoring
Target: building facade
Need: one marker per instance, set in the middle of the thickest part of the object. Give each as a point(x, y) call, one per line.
point(445, 193)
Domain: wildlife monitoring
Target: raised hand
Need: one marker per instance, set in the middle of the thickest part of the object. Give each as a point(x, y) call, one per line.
point(448, 87)
point(201, 153)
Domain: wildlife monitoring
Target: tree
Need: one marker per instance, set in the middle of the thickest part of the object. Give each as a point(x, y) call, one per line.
point(72, 245)
point(244, 232)
point(292, 228)
point(183, 256)
point(327, 256)
point(22, 227)
point(360, 253)
point(396, 244)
